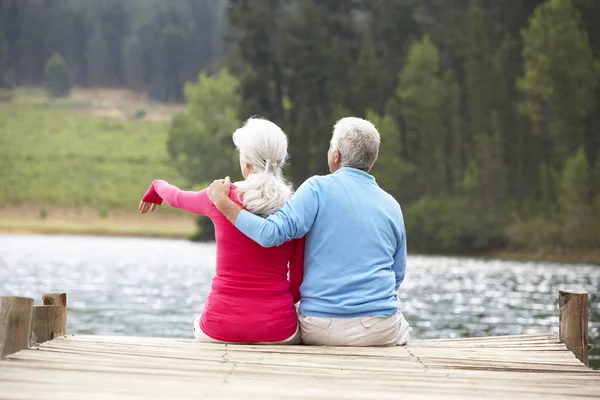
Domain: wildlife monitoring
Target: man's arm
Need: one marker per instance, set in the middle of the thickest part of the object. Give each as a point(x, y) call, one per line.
point(228, 208)
point(399, 266)
point(293, 220)
point(218, 193)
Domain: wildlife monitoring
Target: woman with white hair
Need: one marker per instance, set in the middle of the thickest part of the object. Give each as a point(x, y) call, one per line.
point(254, 290)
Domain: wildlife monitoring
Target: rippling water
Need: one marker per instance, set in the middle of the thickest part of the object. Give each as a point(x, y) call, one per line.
point(155, 287)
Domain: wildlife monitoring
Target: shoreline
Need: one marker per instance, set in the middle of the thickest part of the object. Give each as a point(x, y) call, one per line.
point(95, 232)
point(129, 226)
point(105, 228)
point(587, 258)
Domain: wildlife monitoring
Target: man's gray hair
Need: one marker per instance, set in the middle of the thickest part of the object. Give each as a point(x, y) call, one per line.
point(358, 142)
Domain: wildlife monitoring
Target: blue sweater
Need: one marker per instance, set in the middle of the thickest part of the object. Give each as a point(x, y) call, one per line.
point(355, 255)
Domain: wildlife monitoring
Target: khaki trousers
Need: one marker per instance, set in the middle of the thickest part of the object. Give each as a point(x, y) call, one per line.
point(359, 331)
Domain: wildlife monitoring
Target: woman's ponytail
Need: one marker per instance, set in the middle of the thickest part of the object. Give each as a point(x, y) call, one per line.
point(263, 145)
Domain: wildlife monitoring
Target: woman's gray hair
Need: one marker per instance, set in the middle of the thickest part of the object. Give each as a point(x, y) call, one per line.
point(358, 142)
point(263, 145)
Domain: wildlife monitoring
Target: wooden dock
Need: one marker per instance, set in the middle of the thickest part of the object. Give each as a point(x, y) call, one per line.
point(91, 367)
point(98, 367)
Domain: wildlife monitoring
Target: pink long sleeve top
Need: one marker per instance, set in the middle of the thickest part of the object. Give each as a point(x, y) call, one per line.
point(254, 290)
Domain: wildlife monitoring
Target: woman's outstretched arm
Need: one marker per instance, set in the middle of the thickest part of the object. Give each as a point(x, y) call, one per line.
point(194, 202)
point(296, 266)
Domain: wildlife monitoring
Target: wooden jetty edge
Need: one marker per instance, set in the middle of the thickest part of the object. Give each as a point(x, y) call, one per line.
point(41, 361)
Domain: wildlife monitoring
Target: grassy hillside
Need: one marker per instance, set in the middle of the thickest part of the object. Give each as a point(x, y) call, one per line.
point(65, 153)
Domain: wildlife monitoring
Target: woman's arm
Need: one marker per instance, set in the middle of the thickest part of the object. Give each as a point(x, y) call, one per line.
point(296, 266)
point(194, 202)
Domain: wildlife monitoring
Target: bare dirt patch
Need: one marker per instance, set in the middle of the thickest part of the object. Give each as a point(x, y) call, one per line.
point(123, 104)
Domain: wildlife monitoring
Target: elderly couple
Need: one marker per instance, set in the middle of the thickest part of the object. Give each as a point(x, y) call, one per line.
point(337, 245)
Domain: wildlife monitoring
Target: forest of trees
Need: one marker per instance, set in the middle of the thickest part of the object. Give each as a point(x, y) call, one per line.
point(151, 46)
point(489, 110)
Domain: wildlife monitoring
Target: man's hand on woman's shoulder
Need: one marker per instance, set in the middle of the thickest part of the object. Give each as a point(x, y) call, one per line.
point(218, 193)
point(219, 189)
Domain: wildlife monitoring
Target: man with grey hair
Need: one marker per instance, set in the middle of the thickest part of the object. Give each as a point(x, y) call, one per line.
point(355, 256)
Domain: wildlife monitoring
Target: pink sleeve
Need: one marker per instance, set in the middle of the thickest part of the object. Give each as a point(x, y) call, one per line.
point(194, 202)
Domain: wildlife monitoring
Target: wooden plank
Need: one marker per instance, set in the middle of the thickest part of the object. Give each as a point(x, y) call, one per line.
point(84, 380)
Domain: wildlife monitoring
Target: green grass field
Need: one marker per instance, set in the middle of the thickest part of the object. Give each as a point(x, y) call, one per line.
point(52, 154)
point(81, 164)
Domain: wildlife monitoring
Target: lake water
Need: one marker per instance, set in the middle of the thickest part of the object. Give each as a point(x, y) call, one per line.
point(155, 287)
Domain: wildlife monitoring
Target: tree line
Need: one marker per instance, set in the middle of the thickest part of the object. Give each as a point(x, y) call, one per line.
point(488, 110)
point(150, 46)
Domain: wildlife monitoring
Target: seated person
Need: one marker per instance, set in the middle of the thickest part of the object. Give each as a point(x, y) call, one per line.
point(251, 299)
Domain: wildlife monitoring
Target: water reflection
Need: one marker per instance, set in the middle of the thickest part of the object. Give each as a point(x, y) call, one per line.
point(154, 287)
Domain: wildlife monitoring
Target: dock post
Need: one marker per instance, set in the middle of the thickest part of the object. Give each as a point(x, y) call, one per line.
point(50, 319)
point(57, 299)
point(15, 324)
point(573, 322)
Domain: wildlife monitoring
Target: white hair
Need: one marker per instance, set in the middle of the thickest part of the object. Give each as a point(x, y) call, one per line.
point(263, 145)
point(357, 141)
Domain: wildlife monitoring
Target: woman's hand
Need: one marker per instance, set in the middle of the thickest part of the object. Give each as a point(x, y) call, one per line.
point(145, 206)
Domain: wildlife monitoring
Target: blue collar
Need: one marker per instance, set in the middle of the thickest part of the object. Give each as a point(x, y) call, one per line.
point(354, 172)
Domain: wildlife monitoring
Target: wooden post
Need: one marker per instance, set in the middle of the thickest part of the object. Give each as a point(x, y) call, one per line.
point(15, 324)
point(46, 324)
point(50, 319)
point(573, 325)
point(57, 299)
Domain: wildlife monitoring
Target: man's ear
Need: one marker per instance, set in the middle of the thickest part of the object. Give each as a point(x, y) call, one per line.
point(338, 156)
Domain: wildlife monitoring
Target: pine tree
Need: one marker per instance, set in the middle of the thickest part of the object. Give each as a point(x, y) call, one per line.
point(3, 52)
point(491, 188)
point(596, 178)
point(479, 73)
point(256, 34)
point(590, 10)
point(394, 26)
point(392, 173)
point(559, 77)
point(312, 88)
point(454, 145)
point(421, 92)
point(366, 89)
point(596, 199)
point(56, 77)
point(574, 200)
point(7, 73)
point(115, 20)
point(167, 77)
point(97, 57)
point(133, 58)
point(547, 192)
